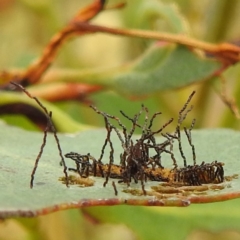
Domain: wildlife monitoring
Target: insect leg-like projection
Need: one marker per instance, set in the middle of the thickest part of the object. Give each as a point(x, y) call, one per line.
point(193, 174)
point(181, 118)
point(206, 172)
point(83, 165)
point(189, 137)
point(115, 188)
point(109, 127)
point(151, 142)
point(137, 159)
point(187, 174)
point(85, 168)
point(131, 167)
point(125, 140)
point(50, 126)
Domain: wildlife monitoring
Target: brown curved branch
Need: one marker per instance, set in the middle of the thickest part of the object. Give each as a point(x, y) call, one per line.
point(225, 52)
point(36, 70)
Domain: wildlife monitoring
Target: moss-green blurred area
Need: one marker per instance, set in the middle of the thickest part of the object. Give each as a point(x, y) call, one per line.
point(27, 26)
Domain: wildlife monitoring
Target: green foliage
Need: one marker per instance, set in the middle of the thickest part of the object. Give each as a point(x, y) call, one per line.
point(147, 68)
point(156, 70)
point(167, 223)
point(17, 160)
point(159, 70)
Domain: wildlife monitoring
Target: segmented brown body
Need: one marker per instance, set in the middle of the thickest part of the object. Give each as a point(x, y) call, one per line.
point(136, 162)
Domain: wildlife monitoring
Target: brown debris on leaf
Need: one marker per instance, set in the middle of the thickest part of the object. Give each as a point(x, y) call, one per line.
point(77, 180)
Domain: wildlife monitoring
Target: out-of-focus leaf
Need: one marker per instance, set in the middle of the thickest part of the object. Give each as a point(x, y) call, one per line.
point(163, 69)
point(172, 223)
point(61, 120)
point(19, 148)
point(160, 68)
point(146, 14)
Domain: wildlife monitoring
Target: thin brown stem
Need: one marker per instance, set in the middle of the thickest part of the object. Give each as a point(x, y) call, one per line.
point(52, 128)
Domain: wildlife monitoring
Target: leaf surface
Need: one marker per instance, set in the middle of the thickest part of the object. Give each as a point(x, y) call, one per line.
point(19, 148)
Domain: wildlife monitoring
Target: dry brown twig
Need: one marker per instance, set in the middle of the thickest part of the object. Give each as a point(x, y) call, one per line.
point(61, 91)
point(225, 51)
point(36, 70)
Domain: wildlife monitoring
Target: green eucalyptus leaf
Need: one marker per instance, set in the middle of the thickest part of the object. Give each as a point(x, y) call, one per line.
point(19, 148)
point(161, 67)
point(164, 68)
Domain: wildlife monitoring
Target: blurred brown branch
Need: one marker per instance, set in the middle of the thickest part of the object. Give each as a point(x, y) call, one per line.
point(226, 53)
point(35, 71)
point(65, 91)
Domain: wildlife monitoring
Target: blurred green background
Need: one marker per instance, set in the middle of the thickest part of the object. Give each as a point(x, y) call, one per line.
point(27, 26)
